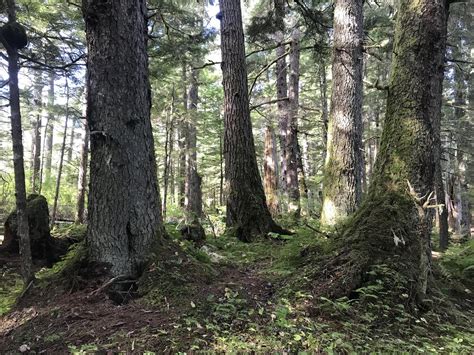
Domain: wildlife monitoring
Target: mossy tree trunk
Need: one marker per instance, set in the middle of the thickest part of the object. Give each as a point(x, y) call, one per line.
point(247, 211)
point(393, 225)
point(37, 126)
point(270, 170)
point(344, 164)
point(124, 210)
point(82, 178)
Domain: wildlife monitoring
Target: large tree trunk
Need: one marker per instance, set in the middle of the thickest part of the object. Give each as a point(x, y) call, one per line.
point(343, 166)
point(36, 171)
point(193, 200)
point(124, 210)
point(292, 150)
point(18, 161)
point(393, 225)
point(82, 179)
point(247, 210)
point(49, 132)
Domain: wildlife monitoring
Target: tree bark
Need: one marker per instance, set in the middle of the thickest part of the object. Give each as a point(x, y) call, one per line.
point(124, 210)
point(343, 166)
point(18, 160)
point(37, 125)
point(247, 211)
point(292, 150)
point(393, 225)
point(182, 140)
point(82, 180)
point(49, 129)
point(282, 91)
point(193, 200)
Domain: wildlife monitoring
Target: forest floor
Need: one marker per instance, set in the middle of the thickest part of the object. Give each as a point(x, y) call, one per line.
point(229, 297)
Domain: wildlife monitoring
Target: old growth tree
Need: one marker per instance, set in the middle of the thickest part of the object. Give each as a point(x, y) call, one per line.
point(124, 205)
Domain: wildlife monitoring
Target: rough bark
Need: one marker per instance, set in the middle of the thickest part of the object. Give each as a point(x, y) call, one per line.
point(193, 200)
point(18, 160)
point(343, 166)
point(247, 211)
point(292, 150)
point(124, 209)
point(82, 179)
point(393, 225)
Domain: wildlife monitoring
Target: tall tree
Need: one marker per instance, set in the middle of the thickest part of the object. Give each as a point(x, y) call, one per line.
point(282, 89)
point(393, 225)
point(292, 147)
point(124, 209)
point(193, 200)
point(343, 166)
point(247, 211)
point(13, 38)
point(37, 126)
point(49, 132)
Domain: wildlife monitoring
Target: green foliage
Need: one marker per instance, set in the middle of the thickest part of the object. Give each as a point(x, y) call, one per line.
point(11, 286)
point(458, 262)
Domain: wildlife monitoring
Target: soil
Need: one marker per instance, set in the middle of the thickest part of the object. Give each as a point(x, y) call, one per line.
point(53, 321)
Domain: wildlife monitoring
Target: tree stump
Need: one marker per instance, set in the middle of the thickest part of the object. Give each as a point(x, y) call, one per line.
point(195, 233)
point(38, 222)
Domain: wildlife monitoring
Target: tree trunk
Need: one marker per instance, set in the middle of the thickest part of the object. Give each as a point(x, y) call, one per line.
point(393, 225)
point(193, 200)
point(18, 161)
point(49, 129)
point(124, 209)
point(291, 150)
point(343, 166)
point(182, 141)
point(61, 159)
point(37, 125)
point(247, 211)
point(282, 92)
point(70, 149)
point(82, 180)
point(270, 171)
point(166, 169)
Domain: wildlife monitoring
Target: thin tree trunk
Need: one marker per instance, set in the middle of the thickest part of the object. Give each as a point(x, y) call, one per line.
point(168, 135)
point(182, 140)
point(292, 149)
point(18, 161)
point(193, 200)
point(270, 166)
point(343, 166)
point(124, 209)
point(82, 180)
point(37, 125)
point(61, 158)
point(282, 92)
point(247, 211)
point(49, 129)
point(70, 149)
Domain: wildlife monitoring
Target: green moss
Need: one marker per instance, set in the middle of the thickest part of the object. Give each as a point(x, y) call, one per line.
point(11, 287)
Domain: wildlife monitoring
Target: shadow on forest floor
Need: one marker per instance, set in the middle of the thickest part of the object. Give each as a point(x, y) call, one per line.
point(230, 296)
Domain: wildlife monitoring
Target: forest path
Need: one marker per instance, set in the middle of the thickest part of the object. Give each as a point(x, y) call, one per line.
point(55, 321)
